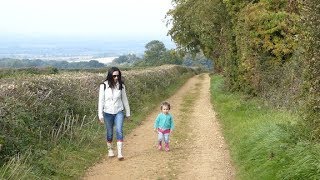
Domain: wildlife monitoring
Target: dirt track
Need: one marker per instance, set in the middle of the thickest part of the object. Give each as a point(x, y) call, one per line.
point(198, 150)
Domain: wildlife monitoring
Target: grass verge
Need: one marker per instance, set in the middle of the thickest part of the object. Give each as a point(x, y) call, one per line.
point(265, 143)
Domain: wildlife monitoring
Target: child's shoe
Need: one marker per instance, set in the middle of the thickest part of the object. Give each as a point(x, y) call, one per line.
point(167, 147)
point(159, 146)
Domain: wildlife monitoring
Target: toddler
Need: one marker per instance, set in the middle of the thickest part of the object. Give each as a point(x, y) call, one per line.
point(164, 125)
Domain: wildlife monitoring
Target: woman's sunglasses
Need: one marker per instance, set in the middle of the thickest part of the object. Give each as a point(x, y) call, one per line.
point(115, 76)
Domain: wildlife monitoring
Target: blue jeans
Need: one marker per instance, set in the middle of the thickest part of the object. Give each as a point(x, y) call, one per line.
point(116, 120)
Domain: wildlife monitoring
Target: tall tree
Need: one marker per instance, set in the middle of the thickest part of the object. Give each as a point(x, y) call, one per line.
point(311, 19)
point(154, 53)
point(201, 25)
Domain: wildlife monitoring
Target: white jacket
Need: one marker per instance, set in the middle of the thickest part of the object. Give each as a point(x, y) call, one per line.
point(112, 101)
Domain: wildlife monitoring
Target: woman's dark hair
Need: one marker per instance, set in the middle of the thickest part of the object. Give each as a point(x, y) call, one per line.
point(110, 80)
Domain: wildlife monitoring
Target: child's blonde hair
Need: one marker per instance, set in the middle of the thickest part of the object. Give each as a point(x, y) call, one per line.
point(165, 103)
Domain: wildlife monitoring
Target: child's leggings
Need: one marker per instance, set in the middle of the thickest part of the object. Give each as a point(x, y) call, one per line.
point(163, 134)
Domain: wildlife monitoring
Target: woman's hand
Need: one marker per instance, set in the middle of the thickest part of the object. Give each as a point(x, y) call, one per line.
point(128, 118)
point(101, 121)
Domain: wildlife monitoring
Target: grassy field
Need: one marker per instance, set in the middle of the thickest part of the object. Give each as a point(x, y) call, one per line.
point(265, 143)
point(49, 127)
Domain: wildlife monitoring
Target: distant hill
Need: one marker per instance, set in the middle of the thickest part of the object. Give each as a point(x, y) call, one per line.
point(38, 63)
point(55, 48)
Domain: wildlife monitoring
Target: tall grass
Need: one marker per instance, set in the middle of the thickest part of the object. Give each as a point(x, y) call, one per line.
point(266, 143)
point(53, 118)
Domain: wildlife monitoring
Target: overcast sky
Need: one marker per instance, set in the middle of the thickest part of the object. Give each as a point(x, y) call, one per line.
point(84, 17)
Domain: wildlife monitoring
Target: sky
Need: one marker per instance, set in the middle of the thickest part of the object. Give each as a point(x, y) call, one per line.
point(84, 17)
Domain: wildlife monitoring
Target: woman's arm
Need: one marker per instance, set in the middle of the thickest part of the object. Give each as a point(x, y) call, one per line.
point(125, 101)
point(101, 102)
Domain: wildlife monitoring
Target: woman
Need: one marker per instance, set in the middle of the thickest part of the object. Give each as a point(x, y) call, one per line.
point(112, 103)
